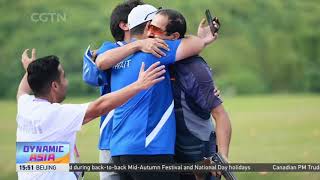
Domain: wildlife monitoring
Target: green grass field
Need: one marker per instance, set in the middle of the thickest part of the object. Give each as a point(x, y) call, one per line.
point(270, 128)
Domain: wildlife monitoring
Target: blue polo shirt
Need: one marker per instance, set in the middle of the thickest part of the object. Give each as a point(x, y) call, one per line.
point(145, 125)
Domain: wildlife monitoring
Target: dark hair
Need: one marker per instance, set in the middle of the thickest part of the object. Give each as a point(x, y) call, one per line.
point(176, 22)
point(138, 30)
point(120, 14)
point(41, 73)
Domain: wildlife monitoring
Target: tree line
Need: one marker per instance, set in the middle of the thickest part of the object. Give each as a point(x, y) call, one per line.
point(263, 46)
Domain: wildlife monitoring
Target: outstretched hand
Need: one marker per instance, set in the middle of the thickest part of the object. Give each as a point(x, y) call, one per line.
point(26, 60)
point(151, 76)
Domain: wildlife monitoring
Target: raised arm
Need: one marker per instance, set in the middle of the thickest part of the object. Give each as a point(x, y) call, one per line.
point(189, 46)
point(112, 57)
point(112, 100)
point(24, 87)
point(193, 45)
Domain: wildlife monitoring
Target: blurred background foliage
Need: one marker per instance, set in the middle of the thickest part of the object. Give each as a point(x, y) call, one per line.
point(263, 46)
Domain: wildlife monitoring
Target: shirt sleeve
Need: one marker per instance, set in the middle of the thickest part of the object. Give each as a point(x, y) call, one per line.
point(71, 116)
point(91, 74)
point(170, 57)
point(196, 80)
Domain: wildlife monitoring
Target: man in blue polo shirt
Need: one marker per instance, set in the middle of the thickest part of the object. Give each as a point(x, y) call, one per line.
point(144, 127)
point(120, 32)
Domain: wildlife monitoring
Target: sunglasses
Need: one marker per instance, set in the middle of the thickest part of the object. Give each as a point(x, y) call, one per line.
point(156, 30)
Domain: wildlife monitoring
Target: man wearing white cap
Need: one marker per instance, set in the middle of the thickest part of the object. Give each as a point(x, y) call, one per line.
point(120, 32)
point(144, 127)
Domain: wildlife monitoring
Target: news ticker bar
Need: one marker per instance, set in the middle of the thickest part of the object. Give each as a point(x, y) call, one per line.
point(234, 167)
point(104, 167)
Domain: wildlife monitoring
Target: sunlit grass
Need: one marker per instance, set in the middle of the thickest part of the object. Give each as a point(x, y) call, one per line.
point(271, 128)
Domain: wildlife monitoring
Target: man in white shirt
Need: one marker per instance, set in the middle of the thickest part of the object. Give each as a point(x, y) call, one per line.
point(41, 117)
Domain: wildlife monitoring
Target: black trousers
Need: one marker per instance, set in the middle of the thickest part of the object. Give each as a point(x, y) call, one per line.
point(140, 159)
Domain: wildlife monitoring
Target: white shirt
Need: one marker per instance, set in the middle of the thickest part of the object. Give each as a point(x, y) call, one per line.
point(40, 121)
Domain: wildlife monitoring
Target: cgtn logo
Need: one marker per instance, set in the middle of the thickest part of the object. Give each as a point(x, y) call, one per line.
point(48, 17)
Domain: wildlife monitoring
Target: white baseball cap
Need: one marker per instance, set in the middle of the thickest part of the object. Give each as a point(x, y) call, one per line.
point(141, 14)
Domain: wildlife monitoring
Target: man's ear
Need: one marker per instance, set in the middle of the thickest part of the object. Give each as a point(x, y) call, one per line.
point(175, 35)
point(147, 26)
point(124, 26)
point(54, 85)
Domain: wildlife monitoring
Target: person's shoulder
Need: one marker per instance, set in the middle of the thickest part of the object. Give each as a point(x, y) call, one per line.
point(39, 108)
point(173, 45)
point(107, 45)
point(173, 42)
point(66, 110)
point(195, 65)
point(197, 59)
point(192, 61)
point(70, 106)
point(24, 97)
point(25, 100)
